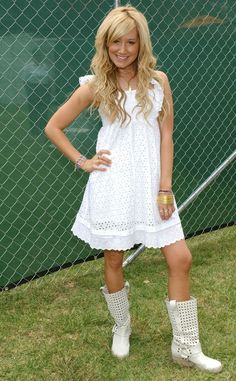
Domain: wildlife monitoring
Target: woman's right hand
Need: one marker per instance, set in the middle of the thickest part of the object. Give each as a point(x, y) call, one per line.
point(93, 164)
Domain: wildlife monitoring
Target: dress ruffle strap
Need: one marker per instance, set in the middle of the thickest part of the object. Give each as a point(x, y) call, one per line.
point(85, 79)
point(158, 95)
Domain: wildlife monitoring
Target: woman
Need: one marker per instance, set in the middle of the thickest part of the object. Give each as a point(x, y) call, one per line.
point(128, 198)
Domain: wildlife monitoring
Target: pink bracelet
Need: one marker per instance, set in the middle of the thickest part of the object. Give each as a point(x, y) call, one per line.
point(80, 162)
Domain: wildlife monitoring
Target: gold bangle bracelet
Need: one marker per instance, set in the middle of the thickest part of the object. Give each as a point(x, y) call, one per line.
point(165, 197)
point(167, 200)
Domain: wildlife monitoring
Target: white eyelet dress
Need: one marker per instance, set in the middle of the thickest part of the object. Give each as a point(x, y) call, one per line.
point(119, 207)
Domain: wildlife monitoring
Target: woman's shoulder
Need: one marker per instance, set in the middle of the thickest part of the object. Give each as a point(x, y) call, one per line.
point(161, 75)
point(162, 79)
point(86, 86)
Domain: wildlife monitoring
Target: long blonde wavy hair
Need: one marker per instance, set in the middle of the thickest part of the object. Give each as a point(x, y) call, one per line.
point(118, 22)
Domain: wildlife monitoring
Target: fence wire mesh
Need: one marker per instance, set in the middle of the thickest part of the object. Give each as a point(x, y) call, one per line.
point(45, 46)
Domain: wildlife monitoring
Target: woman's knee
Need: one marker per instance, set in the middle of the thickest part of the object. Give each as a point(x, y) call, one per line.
point(178, 257)
point(113, 259)
point(184, 260)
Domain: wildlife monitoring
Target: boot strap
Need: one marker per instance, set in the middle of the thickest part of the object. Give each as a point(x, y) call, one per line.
point(115, 330)
point(187, 351)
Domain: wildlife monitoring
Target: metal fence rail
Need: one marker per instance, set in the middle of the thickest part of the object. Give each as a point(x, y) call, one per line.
point(191, 198)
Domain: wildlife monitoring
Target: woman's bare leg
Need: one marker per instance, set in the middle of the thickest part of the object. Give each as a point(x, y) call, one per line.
point(179, 260)
point(183, 311)
point(116, 295)
point(113, 270)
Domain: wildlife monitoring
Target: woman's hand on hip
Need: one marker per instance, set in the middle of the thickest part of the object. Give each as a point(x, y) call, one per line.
point(97, 160)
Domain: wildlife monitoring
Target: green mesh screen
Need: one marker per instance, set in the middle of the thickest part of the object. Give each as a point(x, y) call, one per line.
point(45, 46)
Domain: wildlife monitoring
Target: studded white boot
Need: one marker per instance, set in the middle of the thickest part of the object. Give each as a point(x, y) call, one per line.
point(186, 348)
point(118, 306)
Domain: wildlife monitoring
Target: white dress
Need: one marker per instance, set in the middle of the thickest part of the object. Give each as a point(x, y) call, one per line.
point(119, 207)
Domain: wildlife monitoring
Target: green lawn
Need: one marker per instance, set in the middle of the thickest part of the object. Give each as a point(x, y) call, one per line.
point(58, 328)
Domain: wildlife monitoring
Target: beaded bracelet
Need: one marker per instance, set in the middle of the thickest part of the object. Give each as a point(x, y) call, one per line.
point(80, 162)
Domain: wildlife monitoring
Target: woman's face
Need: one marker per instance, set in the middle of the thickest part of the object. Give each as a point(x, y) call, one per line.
point(124, 51)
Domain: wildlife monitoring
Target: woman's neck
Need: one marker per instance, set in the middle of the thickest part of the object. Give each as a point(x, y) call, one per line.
point(127, 78)
point(126, 73)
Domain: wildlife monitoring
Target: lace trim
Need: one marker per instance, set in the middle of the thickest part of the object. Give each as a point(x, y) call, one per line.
point(85, 79)
point(115, 242)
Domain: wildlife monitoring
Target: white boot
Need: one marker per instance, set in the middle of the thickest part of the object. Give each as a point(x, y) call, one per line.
point(186, 348)
point(118, 306)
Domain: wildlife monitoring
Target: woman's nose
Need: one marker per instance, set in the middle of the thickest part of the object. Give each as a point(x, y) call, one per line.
point(122, 48)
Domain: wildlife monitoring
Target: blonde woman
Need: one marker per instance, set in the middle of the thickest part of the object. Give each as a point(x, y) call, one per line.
point(128, 198)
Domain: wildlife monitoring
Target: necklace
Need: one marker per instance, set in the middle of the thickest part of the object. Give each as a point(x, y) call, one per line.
point(128, 82)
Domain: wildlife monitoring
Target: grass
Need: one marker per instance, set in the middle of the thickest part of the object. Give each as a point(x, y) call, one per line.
point(57, 328)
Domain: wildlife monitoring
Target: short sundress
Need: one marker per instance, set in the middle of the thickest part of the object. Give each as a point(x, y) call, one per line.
point(119, 207)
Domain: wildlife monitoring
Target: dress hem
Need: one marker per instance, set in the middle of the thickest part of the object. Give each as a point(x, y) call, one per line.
point(156, 242)
point(129, 248)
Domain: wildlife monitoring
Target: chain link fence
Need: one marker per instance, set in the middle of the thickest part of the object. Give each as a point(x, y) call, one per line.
point(45, 46)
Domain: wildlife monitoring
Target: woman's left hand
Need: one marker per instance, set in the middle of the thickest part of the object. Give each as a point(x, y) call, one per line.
point(165, 210)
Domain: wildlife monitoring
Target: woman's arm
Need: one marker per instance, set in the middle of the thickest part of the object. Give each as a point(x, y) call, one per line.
point(165, 200)
point(62, 118)
point(167, 146)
